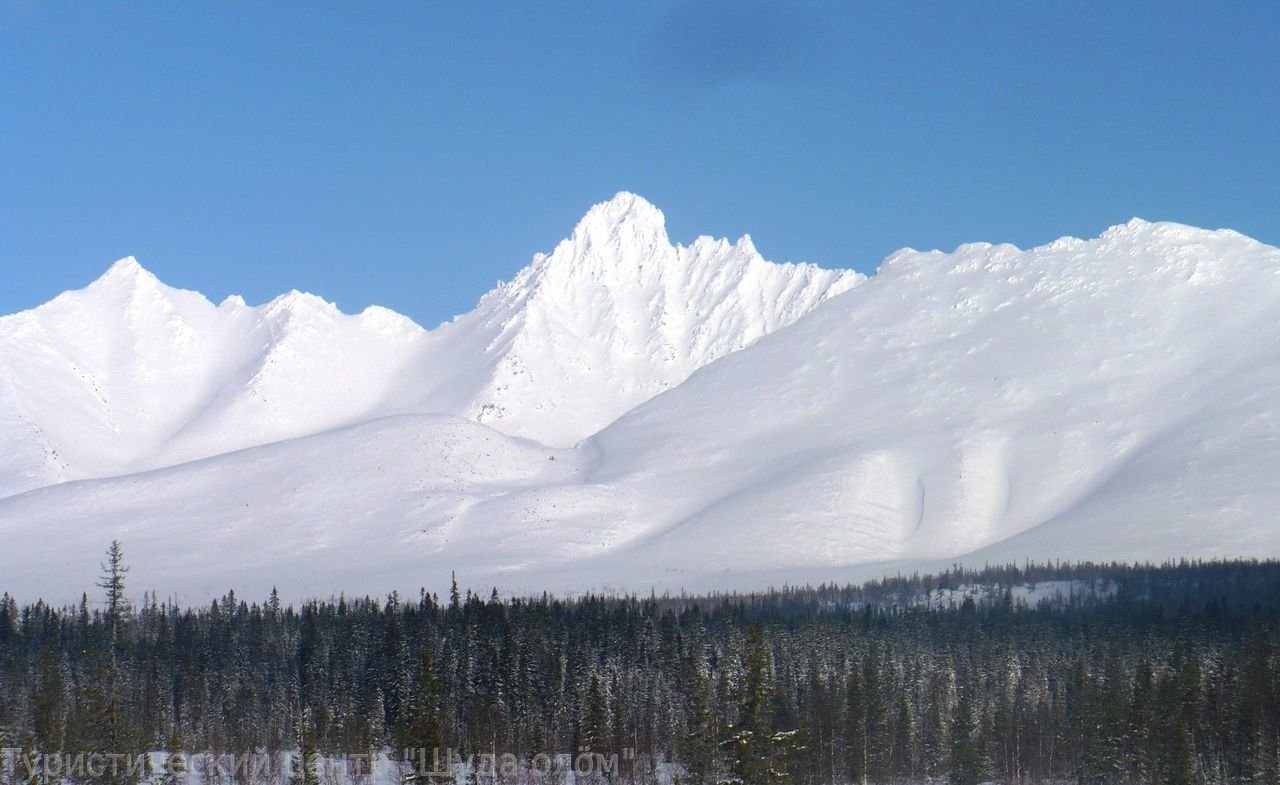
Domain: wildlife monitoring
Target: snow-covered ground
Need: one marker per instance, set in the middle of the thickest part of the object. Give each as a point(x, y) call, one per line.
point(1115, 398)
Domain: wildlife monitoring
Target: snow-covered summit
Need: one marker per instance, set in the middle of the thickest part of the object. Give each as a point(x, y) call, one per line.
point(126, 284)
point(617, 313)
point(126, 270)
point(626, 219)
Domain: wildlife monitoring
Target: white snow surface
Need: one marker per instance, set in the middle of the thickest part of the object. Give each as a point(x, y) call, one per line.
point(628, 414)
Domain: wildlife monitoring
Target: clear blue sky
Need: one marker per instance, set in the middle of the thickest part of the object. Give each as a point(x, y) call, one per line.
point(411, 154)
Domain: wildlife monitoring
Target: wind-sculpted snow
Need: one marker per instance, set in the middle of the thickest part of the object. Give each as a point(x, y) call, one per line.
point(1116, 398)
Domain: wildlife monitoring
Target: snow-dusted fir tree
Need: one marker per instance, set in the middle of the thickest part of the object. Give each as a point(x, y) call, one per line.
point(107, 725)
point(303, 769)
point(699, 752)
point(423, 740)
point(175, 763)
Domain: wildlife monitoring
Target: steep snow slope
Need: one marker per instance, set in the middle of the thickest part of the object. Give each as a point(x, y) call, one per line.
point(1117, 398)
point(129, 374)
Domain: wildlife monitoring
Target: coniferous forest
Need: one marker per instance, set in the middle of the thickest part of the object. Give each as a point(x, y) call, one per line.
point(1083, 673)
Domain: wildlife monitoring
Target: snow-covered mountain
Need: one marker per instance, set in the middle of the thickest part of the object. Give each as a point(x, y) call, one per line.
point(1116, 398)
point(129, 374)
point(613, 316)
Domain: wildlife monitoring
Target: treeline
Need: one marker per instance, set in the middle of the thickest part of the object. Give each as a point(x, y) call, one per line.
point(1167, 674)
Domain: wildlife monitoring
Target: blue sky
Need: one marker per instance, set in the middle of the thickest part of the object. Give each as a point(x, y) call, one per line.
point(411, 154)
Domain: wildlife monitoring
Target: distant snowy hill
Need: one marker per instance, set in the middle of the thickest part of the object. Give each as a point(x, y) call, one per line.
point(1116, 398)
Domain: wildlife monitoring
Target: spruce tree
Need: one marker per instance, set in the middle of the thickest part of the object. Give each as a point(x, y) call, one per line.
point(750, 742)
point(109, 726)
point(49, 720)
point(699, 749)
point(175, 763)
point(424, 741)
point(304, 769)
point(966, 759)
point(597, 729)
point(1180, 765)
point(855, 728)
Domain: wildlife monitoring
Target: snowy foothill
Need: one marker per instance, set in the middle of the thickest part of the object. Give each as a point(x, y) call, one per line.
point(628, 413)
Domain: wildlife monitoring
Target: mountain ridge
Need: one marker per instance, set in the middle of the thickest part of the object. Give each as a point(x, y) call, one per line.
point(1115, 398)
point(155, 375)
